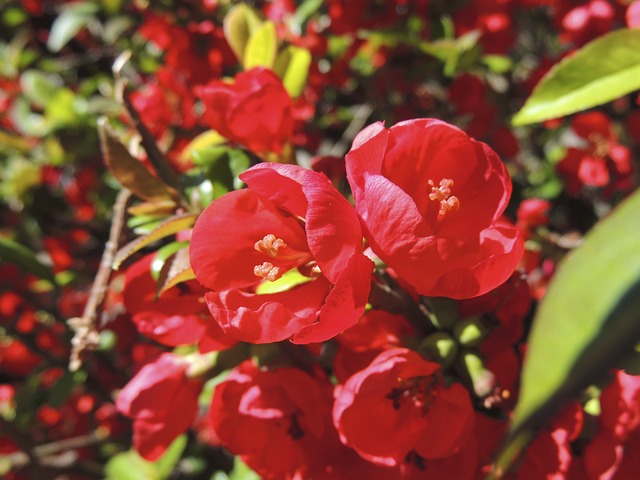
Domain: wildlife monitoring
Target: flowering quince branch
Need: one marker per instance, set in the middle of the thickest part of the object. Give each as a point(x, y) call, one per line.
point(312, 293)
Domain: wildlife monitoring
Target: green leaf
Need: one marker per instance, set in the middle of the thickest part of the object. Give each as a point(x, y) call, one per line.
point(39, 87)
point(242, 472)
point(306, 9)
point(292, 66)
point(169, 227)
point(68, 24)
point(168, 461)
point(599, 72)
point(262, 47)
point(239, 24)
point(587, 321)
point(222, 166)
point(129, 171)
point(131, 466)
point(24, 258)
point(458, 54)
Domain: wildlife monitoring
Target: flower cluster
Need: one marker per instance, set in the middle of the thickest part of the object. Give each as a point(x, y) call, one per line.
point(329, 245)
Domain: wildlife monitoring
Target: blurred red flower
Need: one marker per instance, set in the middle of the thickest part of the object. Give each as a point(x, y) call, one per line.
point(163, 403)
point(254, 111)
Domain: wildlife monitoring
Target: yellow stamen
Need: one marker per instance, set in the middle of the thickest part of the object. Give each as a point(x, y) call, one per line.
point(442, 194)
point(267, 271)
point(270, 245)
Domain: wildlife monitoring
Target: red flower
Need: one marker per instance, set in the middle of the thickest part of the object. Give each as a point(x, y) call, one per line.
point(430, 199)
point(601, 161)
point(278, 422)
point(163, 402)
point(533, 212)
point(587, 21)
point(254, 111)
point(288, 218)
point(397, 408)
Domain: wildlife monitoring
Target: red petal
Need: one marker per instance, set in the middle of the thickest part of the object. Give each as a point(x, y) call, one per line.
point(222, 249)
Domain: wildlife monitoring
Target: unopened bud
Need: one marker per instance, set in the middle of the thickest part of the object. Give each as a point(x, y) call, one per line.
point(440, 347)
point(470, 331)
point(483, 380)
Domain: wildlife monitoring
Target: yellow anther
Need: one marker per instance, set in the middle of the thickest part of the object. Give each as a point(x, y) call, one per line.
point(442, 194)
point(270, 245)
point(267, 271)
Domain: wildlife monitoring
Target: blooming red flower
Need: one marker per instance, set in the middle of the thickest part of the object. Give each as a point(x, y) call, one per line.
point(254, 111)
point(288, 218)
point(430, 199)
point(415, 414)
point(277, 421)
point(163, 402)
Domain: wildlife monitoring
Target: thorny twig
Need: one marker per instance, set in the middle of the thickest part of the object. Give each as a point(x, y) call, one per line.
point(86, 335)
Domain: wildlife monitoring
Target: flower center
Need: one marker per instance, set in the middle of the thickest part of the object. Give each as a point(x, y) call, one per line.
point(417, 391)
point(295, 430)
point(442, 194)
point(267, 271)
point(600, 145)
point(270, 244)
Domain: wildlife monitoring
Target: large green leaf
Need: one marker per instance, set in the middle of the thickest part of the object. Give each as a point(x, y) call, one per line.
point(587, 322)
point(601, 71)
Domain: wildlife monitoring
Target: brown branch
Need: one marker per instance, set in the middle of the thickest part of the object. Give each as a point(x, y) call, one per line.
point(86, 337)
point(24, 443)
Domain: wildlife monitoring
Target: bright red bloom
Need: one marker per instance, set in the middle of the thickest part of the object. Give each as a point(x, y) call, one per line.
point(288, 218)
point(397, 407)
point(163, 403)
point(278, 422)
point(254, 111)
point(430, 199)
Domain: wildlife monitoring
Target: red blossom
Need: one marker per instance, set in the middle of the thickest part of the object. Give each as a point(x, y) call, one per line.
point(278, 422)
point(254, 111)
point(176, 318)
point(415, 413)
point(430, 199)
point(600, 161)
point(288, 218)
point(163, 403)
